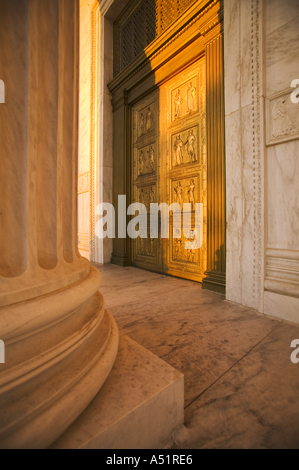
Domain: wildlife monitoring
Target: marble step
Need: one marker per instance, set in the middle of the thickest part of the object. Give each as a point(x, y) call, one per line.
point(140, 406)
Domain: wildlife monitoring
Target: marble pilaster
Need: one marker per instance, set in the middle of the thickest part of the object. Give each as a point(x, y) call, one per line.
point(244, 104)
point(261, 61)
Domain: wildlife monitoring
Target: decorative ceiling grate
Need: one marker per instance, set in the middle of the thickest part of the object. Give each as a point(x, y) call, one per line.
point(168, 12)
point(141, 22)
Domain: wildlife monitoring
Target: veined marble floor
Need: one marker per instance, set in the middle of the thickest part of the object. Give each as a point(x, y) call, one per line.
point(241, 388)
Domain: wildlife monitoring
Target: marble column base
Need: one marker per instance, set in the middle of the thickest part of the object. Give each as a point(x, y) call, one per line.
point(120, 260)
point(215, 281)
point(140, 406)
point(60, 349)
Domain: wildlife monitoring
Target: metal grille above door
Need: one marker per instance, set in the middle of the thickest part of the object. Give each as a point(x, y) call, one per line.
point(139, 24)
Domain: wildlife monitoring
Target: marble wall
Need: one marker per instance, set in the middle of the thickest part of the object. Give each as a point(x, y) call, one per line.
point(262, 131)
point(84, 130)
point(104, 247)
point(95, 135)
point(244, 150)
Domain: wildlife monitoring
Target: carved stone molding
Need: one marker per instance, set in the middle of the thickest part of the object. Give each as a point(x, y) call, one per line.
point(282, 274)
point(258, 151)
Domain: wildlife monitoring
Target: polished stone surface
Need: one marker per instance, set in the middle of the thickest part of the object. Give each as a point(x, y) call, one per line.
point(139, 407)
point(241, 388)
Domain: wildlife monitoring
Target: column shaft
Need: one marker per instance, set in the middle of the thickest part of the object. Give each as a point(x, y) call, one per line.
point(13, 138)
point(60, 341)
point(46, 176)
point(39, 142)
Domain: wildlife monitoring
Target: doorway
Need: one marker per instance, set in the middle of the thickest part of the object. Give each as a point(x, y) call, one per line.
point(168, 136)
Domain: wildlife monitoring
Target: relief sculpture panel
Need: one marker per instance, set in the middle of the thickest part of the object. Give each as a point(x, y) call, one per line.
point(185, 191)
point(184, 146)
point(146, 251)
point(146, 195)
point(282, 118)
point(146, 120)
point(185, 99)
point(146, 160)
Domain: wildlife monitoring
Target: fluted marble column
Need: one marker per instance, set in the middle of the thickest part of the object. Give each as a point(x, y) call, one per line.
point(60, 341)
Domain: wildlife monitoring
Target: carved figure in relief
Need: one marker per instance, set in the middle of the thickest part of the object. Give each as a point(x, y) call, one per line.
point(151, 244)
point(141, 124)
point(141, 163)
point(178, 101)
point(191, 146)
point(149, 120)
point(141, 196)
point(151, 157)
point(191, 194)
point(177, 248)
point(151, 196)
point(191, 95)
point(191, 254)
point(178, 150)
point(282, 124)
point(179, 190)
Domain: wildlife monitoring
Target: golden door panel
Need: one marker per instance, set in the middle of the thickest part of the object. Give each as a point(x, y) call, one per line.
point(145, 172)
point(183, 149)
point(169, 164)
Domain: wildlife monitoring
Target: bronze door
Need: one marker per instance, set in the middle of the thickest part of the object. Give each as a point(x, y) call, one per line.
point(169, 165)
